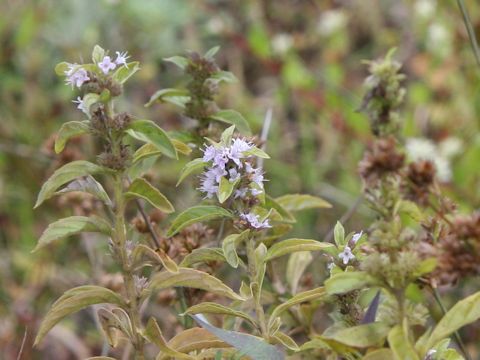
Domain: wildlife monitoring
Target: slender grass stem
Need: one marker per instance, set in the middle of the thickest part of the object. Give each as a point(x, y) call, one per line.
point(470, 30)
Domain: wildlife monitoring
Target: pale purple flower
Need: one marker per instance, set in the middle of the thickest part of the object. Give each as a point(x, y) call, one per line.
point(254, 221)
point(255, 192)
point(209, 153)
point(357, 237)
point(106, 64)
point(257, 177)
point(234, 175)
point(346, 255)
point(240, 193)
point(208, 184)
point(80, 104)
point(236, 150)
point(76, 75)
point(121, 58)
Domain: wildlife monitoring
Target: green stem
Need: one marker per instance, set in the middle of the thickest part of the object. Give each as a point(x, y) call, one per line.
point(256, 287)
point(470, 30)
point(120, 243)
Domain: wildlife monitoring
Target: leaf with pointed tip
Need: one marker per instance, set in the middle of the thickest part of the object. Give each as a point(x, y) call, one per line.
point(296, 266)
point(302, 297)
point(162, 94)
point(233, 117)
point(348, 281)
point(145, 151)
point(181, 147)
point(111, 326)
point(153, 333)
point(226, 76)
point(400, 345)
point(88, 185)
point(66, 174)
point(196, 279)
point(69, 130)
point(194, 339)
point(380, 354)
point(74, 300)
point(289, 246)
point(225, 189)
point(371, 313)
point(212, 52)
point(255, 151)
point(339, 234)
point(286, 215)
point(60, 68)
point(203, 255)
point(285, 340)
point(159, 257)
point(98, 54)
point(73, 225)
point(297, 202)
point(462, 313)
point(362, 336)
point(191, 167)
point(141, 188)
point(229, 247)
point(123, 73)
point(148, 131)
point(180, 61)
point(214, 308)
point(197, 214)
point(249, 345)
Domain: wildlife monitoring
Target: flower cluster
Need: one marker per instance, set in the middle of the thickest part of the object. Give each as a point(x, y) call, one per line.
point(232, 163)
point(253, 220)
point(77, 75)
point(346, 255)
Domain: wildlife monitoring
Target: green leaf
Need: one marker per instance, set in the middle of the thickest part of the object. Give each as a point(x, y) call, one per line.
point(339, 234)
point(233, 117)
point(204, 256)
point(226, 76)
point(425, 266)
point(296, 265)
point(256, 152)
point(180, 61)
point(159, 257)
point(249, 345)
point(297, 202)
point(286, 215)
point(181, 147)
point(69, 130)
point(73, 225)
point(191, 167)
point(60, 68)
point(380, 354)
point(302, 297)
point(348, 281)
point(226, 137)
point(212, 52)
point(400, 345)
point(154, 334)
point(98, 54)
point(225, 189)
point(88, 101)
point(163, 94)
point(123, 73)
point(214, 308)
point(229, 246)
point(145, 151)
point(65, 174)
point(289, 246)
point(462, 313)
point(113, 322)
point(362, 336)
point(143, 189)
point(197, 214)
point(148, 131)
point(88, 185)
point(285, 340)
point(192, 278)
point(74, 300)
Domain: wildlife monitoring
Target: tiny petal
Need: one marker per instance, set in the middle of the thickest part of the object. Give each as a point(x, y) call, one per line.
point(346, 255)
point(357, 237)
point(106, 64)
point(80, 105)
point(121, 58)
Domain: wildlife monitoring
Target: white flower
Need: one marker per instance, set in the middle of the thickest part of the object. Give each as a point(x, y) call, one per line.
point(346, 255)
point(106, 65)
point(76, 75)
point(80, 104)
point(121, 58)
point(281, 43)
point(357, 237)
point(331, 21)
point(254, 221)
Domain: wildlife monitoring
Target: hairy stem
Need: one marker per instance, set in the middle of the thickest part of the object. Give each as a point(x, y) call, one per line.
point(127, 272)
point(256, 288)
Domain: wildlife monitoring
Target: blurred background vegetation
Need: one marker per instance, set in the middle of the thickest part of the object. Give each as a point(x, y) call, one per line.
point(301, 58)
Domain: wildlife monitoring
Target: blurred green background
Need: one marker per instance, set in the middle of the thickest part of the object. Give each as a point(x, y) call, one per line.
point(303, 59)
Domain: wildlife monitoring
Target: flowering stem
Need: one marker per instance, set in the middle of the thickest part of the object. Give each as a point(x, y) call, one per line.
point(256, 287)
point(120, 244)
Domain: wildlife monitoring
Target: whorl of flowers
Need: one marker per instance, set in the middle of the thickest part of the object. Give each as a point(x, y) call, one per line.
point(233, 163)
